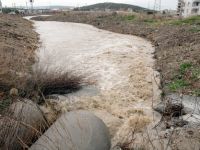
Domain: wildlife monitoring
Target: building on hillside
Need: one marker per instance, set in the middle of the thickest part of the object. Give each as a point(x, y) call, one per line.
point(130, 10)
point(169, 12)
point(187, 8)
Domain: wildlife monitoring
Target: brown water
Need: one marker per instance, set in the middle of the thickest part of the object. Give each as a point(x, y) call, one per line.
point(120, 65)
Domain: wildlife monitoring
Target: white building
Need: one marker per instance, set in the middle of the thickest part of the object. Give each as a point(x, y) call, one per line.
point(187, 8)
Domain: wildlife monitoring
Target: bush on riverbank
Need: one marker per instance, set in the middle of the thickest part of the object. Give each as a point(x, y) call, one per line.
point(44, 82)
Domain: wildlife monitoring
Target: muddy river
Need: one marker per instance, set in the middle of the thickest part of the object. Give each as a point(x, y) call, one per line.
point(120, 66)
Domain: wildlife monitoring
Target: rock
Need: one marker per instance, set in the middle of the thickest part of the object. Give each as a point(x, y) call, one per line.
point(21, 124)
point(160, 107)
point(14, 92)
point(192, 119)
point(79, 130)
point(172, 107)
point(180, 105)
point(191, 107)
point(191, 103)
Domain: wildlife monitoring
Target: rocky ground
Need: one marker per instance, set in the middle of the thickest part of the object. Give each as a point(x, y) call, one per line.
point(176, 42)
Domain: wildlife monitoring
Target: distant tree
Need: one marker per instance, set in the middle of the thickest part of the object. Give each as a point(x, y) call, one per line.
point(8, 10)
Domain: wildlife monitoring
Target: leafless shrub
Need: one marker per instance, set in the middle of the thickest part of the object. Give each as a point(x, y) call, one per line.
point(43, 82)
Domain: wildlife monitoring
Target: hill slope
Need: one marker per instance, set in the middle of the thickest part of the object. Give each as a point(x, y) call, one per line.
point(112, 6)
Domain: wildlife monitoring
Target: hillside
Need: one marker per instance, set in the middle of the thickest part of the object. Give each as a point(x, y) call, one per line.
point(112, 6)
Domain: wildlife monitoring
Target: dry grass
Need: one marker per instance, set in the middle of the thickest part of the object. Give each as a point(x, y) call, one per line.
point(42, 83)
point(18, 43)
point(21, 124)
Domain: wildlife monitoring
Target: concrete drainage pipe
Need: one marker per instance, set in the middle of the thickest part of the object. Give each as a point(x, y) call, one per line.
point(79, 130)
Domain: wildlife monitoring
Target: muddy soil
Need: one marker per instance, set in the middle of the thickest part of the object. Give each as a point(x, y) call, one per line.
point(121, 66)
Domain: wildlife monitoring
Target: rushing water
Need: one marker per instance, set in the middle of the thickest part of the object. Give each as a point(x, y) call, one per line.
point(120, 66)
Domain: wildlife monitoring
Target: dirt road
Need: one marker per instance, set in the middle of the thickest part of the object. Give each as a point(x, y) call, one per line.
point(120, 65)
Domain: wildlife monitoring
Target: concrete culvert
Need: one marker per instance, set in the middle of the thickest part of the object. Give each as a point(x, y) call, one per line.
point(21, 124)
point(79, 130)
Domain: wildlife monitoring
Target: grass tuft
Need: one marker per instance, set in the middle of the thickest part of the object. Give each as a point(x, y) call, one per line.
point(177, 84)
point(195, 20)
point(128, 17)
point(43, 83)
point(184, 67)
point(195, 29)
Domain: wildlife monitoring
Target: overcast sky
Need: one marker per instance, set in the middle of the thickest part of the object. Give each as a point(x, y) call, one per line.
point(166, 4)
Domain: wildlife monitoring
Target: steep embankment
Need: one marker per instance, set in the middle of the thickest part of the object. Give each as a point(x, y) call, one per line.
point(18, 43)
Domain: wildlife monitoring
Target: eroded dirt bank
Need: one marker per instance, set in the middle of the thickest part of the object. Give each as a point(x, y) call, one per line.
point(121, 66)
point(18, 43)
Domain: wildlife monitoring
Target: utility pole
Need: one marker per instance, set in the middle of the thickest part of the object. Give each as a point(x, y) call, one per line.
point(148, 5)
point(160, 3)
point(157, 5)
point(31, 2)
point(26, 5)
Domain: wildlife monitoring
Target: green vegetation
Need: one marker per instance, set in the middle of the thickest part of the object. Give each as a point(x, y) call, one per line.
point(184, 67)
point(177, 84)
point(195, 29)
point(188, 75)
point(151, 21)
point(195, 20)
point(197, 92)
point(9, 10)
point(195, 74)
point(128, 17)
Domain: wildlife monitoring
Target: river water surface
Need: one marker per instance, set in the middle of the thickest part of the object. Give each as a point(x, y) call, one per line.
point(120, 66)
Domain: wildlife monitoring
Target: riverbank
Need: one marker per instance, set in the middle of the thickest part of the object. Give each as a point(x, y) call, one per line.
point(176, 43)
point(24, 86)
point(18, 43)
